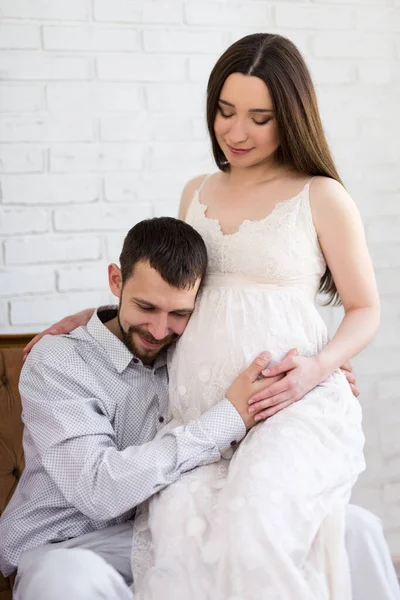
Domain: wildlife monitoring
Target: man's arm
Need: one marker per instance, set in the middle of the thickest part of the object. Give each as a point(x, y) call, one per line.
point(75, 439)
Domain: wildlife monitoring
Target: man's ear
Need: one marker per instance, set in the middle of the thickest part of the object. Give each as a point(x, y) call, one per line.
point(115, 279)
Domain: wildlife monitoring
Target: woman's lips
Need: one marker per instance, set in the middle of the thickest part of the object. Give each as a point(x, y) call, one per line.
point(238, 151)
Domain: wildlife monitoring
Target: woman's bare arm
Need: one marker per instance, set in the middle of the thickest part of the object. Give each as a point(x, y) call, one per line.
point(342, 239)
point(66, 325)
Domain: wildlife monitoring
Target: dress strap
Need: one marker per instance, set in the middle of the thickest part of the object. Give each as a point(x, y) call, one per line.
point(196, 198)
point(203, 182)
point(306, 189)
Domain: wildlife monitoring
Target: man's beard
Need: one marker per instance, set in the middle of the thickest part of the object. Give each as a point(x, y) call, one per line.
point(146, 356)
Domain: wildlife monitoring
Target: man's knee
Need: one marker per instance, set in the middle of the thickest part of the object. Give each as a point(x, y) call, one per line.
point(71, 573)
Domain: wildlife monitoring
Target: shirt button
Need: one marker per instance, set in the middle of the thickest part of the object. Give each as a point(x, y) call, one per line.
point(161, 419)
point(233, 443)
point(135, 360)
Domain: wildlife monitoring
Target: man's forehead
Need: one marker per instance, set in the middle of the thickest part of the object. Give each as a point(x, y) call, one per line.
point(163, 297)
point(147, 284)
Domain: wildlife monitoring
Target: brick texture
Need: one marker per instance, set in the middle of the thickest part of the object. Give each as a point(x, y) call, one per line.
point(102, 122)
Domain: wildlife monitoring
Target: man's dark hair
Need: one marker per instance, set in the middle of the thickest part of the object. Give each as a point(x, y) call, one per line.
point(173, 248)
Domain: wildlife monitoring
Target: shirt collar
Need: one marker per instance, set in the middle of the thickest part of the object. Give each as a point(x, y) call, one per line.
point(119, 354)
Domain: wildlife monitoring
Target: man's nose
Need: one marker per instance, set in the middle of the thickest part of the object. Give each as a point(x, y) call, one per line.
point(159, 326)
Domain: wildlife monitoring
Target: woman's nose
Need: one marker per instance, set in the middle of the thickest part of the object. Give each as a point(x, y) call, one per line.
point(238, 132)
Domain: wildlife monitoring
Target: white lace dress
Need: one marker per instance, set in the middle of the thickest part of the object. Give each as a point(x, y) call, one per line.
point(267, 523)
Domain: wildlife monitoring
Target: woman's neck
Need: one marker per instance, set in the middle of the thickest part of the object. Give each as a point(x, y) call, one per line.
point(250, 176)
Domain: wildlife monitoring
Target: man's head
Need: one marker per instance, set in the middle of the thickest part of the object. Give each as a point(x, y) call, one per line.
point(163, 262)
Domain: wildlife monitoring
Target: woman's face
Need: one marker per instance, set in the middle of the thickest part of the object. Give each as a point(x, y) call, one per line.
point(245, 125)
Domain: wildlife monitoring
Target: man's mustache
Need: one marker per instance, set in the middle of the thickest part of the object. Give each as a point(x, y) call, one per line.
point(149, 338)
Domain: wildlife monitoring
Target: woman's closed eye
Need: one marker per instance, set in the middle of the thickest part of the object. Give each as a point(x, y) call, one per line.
point(261, 122)
point(228, 116)
point(224, 115)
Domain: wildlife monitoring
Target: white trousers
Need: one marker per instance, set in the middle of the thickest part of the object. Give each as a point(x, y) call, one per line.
point(97, 566)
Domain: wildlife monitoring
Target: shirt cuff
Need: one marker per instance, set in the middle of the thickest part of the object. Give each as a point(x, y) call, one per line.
point(224, 425)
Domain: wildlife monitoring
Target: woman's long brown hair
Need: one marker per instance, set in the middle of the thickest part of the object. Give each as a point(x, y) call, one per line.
point(302, 142)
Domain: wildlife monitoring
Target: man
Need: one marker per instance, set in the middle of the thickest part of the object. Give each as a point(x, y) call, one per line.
point(94, 405)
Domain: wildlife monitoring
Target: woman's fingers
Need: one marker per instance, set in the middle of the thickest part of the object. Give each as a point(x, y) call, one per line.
point(261, 416)
point(33, 341)
point(266, 390)
point(351, 378)
point(281, 367)
point(28, 347)
point(70, 323)
point(63, 326)
point(257, 407)
point(347, 367)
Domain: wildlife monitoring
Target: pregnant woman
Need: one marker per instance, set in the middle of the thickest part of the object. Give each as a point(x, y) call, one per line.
point(267, 522)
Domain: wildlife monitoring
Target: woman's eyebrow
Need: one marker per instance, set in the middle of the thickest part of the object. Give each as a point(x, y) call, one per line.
point(259, 110)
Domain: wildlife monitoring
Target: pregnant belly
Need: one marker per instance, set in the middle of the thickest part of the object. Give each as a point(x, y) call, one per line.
point(227, 330)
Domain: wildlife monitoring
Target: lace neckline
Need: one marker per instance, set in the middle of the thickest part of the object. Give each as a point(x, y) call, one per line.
point(216, 222)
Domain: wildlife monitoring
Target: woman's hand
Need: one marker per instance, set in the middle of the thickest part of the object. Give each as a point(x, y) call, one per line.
point(347, 369)
point(66, 325)
point(301, 375)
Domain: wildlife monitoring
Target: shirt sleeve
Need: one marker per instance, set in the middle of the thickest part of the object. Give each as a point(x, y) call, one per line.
point(72, 430)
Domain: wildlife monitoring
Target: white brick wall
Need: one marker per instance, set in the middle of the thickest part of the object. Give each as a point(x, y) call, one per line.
point(101, 124)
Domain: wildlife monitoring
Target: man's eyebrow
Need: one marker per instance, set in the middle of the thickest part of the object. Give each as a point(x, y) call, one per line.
point(258, 110)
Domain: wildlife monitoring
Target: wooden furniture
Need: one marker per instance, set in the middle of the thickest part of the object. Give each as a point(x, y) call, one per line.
point(11, 453)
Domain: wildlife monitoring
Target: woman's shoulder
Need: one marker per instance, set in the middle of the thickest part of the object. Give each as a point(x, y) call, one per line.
point(193, 184)
point(329, 199)
point(322, 181)
point(325, 191)
point(188, 192)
